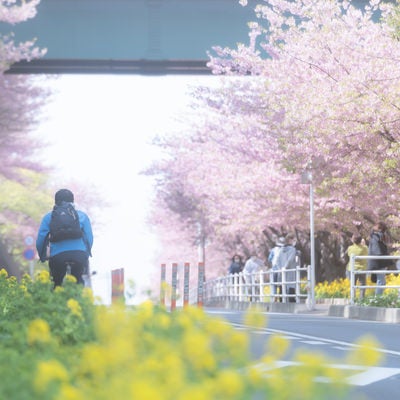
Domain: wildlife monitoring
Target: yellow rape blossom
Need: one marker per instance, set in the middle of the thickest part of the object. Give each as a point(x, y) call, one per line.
point(43, 276)
point(70, 278)
point(366, 352)
point(255, 318)
point(218, 327)
point(146, 309)
point(68, 392)
point(94, 361)
point(195, 313)
point(277, 346)
point(164, 321)
point(196, 347)
point(199, 392)
point(3, 273)
point(47, 372)
point(25, 278)
point(74, 307)
point(146, 390)
point(38, 332)
point(229, 383)
point(23, 288)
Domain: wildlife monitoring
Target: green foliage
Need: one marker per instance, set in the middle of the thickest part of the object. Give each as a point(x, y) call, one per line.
point(388, 300)
point(28, 300)
point(23, 201)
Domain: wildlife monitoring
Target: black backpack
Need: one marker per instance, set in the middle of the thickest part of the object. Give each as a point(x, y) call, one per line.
point(64, 223)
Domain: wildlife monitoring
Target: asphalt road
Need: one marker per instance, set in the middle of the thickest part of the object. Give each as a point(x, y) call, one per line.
point(335, 338)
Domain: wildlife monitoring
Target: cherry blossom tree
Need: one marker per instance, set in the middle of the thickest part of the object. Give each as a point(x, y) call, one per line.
point(13, 12)
point(317, 85)
point(21, 98)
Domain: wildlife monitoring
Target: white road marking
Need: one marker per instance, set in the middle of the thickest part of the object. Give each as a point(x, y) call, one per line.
point(363, 375)
point(368, 375)
point(341, 348)
point(297, 336)
point(312, 342)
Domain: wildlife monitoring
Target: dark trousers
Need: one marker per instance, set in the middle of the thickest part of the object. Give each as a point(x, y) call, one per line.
point(78, 261)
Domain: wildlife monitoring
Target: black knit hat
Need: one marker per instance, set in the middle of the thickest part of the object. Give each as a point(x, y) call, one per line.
point(64, 195)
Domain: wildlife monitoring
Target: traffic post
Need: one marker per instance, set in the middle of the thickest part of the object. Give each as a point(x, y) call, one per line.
point(200, 285)
point(29, 253)
point(186, 273)
point(174, 285)
point(162, 284)
point(117, 285)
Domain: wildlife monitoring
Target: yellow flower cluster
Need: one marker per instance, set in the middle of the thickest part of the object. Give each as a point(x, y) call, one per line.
point(48, 372)
point(392, 280)
point(70, 278)
point(38, 332)
point(144, 352)
point(75, 307)
point(3, 273)
point(43, 276)
point(88, 351)
point(340, 288)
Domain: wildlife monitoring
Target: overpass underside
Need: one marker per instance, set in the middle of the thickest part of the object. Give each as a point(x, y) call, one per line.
point(131, 36)
point(139, 67)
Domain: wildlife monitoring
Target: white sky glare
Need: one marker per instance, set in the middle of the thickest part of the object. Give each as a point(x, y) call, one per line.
point(100, 128)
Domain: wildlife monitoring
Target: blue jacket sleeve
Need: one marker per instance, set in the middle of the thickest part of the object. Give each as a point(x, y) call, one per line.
point(42, 239)
point(87, 231)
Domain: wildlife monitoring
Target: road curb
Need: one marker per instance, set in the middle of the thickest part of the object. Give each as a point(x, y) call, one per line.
point(380, 314)
point(366, 313)
point(290, 308)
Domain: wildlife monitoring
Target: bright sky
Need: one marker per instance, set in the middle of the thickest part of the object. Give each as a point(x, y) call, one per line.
point(100, 127)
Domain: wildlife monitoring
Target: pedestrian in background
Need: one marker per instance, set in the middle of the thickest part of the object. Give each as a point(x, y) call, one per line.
point(276, 277)
point(357, 248)
point(253, 265)
point(286, 262)
point(378, 246)
point(236, 265)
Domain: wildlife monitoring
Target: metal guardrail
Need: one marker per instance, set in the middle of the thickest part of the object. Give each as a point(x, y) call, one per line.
point(354, 273)
point(259, 286)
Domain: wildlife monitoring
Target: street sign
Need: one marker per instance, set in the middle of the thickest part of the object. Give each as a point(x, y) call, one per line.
point(29, 240)
point(29, 254)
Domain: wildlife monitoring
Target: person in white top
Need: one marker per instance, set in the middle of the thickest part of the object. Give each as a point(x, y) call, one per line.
point(253, 265)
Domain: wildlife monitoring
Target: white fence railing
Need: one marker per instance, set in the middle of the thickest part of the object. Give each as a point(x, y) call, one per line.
point(354, 274)
point(260, 286)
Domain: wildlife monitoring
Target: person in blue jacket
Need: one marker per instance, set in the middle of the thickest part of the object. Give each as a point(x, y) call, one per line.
point(75, 251)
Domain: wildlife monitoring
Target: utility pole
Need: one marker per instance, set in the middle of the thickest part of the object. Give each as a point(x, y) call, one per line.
point(307, 178)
